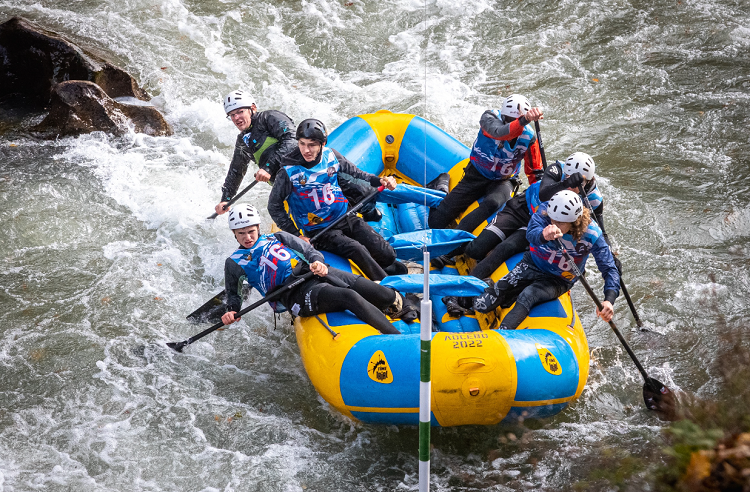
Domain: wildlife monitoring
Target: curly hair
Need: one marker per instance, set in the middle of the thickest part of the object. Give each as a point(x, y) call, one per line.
point(578, 228)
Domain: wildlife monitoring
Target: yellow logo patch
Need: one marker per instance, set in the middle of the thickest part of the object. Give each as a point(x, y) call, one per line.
point(313, 219)
point(378, 368)
point(550, 363)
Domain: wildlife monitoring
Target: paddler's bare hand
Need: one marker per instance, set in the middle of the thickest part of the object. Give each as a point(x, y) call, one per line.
point(220, 208)
point(262, 176)
point(229, 318)
point(319, 268)
point(552, 232)
point(607, 311)
point(389, 182)
point(534, 114)
point(305, 239)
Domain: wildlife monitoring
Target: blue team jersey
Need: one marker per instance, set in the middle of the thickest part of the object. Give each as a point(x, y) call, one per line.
point(316, 199)
point(547, 256)
point(497, 159)
point(267, 264)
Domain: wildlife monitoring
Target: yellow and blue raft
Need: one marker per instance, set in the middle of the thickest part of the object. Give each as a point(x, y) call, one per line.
point(480, 375)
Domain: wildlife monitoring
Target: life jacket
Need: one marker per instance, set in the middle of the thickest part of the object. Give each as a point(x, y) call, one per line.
point(267, 265)
point(548, 257)
point(532, 197)
point(258, 153)
point(496, 159)
point(316, 199)
point(532, 193)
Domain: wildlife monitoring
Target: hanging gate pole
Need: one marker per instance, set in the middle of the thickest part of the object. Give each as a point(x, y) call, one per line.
point(425, 386)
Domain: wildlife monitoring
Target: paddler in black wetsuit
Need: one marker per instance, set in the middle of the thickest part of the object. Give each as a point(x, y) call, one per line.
point(265, 137)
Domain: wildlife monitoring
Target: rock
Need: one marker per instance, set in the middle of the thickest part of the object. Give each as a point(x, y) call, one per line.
point(78, 106)
point(36, 67)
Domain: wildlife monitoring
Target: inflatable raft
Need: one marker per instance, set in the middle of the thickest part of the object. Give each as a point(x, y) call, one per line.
point(480, 375)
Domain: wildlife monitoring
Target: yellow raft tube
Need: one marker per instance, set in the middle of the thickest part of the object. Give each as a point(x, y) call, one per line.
point(480, 375)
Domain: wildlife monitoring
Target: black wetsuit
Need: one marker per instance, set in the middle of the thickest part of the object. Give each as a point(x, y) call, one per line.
point(265, 124)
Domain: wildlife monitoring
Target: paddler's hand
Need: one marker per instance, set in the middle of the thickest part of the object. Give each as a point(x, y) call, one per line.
point(389, 182)
point(607, 311)
point(220, 208)
point(229, 318)
point(552, 232)
point(305, 239)
point(319, 268)
point(262, 176)
point(534, 114)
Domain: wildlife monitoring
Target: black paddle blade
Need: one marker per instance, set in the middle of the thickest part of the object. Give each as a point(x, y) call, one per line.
point(208, 310)
point(177, 345)
point(660, 399)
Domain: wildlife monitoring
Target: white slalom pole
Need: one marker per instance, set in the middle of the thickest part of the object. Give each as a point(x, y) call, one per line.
point(425, 386)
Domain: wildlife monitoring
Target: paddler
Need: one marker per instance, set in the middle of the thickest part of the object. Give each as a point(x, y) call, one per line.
point(308, 182)
point(267, 261)
point(505, 139)
point(506, 235)
point(544, 273)
point(264, 138)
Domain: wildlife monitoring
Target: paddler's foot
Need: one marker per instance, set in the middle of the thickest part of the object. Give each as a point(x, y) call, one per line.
point(441, 261)
point(453, 305)
point(396, 268)
point(441, 183)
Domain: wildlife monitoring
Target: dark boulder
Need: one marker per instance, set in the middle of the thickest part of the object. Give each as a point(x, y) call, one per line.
point(35, 66)
point(78, 106)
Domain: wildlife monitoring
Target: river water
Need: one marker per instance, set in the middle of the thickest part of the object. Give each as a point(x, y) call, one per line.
point(105, 247)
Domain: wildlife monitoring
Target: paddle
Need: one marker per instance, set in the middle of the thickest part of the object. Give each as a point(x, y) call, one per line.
point(236, 197)
point(541, 144)
point(178, 346)
point(349, 213)
point(217, 300)
point(622, 282)
point(655, 394)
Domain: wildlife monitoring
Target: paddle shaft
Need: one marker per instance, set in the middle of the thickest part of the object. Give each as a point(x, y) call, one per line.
point(622, 282)
point(541, 145)
point(270, 297)
point(349, 213)
point(598, 303)
point(236, 197)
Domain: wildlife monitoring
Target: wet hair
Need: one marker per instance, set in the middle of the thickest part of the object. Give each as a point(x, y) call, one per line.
point(578, 228)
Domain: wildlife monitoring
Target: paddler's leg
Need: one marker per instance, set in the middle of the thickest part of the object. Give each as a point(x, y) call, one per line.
point(471, 187)
point(545, 288)
point(336, 242)
point(383, 298)
point(497, 194)
point(505, 291)
point(331, 299)
point(515, 243)
point(380, 250)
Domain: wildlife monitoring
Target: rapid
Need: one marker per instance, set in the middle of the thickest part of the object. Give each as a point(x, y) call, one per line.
point(105, 247)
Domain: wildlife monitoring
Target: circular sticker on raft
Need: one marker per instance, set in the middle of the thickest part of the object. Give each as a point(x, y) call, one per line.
point(378, 368)
point(548, 360)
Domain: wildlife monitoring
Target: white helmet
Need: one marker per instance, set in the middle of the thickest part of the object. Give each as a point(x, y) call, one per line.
point(514, 106)
point(243, 215)
point(565, 206)
point(237, 99)
point(580, 162)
